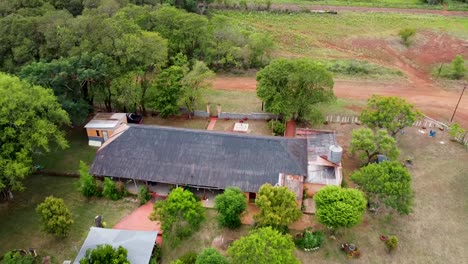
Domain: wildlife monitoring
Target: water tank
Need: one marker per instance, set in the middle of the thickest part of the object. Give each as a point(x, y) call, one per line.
point(335, 153)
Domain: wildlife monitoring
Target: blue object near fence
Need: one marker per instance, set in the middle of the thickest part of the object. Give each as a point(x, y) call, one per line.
point(432, 133)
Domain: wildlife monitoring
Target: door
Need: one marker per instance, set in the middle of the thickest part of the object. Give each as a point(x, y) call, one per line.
point(104, 135)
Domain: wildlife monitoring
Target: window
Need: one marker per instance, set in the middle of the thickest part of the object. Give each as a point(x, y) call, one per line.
point(97, 133)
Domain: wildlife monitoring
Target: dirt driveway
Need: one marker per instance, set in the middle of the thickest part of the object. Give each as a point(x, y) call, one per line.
point(434, 102)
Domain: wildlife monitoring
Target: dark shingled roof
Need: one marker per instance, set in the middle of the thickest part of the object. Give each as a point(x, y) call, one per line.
point(200, 158)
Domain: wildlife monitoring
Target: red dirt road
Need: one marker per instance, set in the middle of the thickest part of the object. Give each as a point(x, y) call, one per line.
point(434, 102)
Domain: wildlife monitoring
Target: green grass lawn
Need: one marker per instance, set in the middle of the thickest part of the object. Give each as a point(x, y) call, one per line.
point(232, 101)
point(314, 35)
point(20, 224)
point(68, 160)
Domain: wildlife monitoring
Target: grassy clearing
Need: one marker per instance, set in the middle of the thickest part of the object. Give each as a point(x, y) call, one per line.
point(232, 101)
point(313, 35)
point(197, 242)
point(349, 107)
point(182, 122)
point(20, 224)
point(68, 160)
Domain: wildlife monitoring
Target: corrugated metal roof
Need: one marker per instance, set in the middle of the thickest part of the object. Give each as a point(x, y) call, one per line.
point(105, 124)
point(200, 157)
point(139, 244)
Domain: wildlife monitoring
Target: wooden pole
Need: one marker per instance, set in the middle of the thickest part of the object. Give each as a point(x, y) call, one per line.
point(459, 99)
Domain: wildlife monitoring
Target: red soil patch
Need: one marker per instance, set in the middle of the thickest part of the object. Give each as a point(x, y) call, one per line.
point(436, 48)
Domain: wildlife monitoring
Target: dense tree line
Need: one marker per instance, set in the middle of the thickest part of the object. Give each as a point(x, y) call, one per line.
point(122, 55)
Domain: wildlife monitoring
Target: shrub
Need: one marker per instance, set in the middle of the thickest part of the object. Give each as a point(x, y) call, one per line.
point(16, 258)
point(211, 256)
point(86, 184)
point(310, 240)
point(455, 130)
point(99, 187)
point(278, 127)
point(392, 243)
point(121, 190)
point(230, 205)
point(54, 216)
point(458, 67)
point(406, 35)
point(188, 258)
point(157, 252)
point(109, 190)
point(143, 195)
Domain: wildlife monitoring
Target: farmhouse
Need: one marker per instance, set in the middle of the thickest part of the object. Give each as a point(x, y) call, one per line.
point(214, 161)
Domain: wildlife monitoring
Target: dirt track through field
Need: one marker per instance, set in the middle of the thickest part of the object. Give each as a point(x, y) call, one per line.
point(432, 101)
point(368, 9)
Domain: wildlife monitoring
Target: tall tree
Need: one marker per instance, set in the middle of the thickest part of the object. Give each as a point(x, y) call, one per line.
point(339, 207)
point(29, 122)
point(263, 246)
point(55, 217)
point(180, 215)
point(291, 88)
point(230, 205)
point(105, 254)
point(369, 144)
point(278, 207)
point(193, 85)
point(388, 183)
point(166, 90)
point(391, 113)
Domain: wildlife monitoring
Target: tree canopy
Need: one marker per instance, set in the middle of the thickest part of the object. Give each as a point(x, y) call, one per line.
point(108, 54)
point(54, 216)
point(210, 256)
point(391, 113)
point(30, 122)
point(291, 88)
point(230, 205)
point(263, 246)
point(339, 207)
point(388, 183)
point(278, 207)
point(369, 144)
point(105, 254)
point(180, 214)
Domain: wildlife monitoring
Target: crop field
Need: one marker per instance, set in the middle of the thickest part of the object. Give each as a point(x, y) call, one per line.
point(317, 34)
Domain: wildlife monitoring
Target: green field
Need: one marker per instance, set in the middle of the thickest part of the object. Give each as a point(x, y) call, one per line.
point(315, 35)
point(20, 223)
point(452, 4)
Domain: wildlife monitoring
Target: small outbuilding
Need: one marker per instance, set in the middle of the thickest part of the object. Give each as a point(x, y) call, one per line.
point(139, 244)
point(103, 126)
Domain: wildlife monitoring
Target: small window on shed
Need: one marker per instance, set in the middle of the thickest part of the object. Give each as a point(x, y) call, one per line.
point(97, 133)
